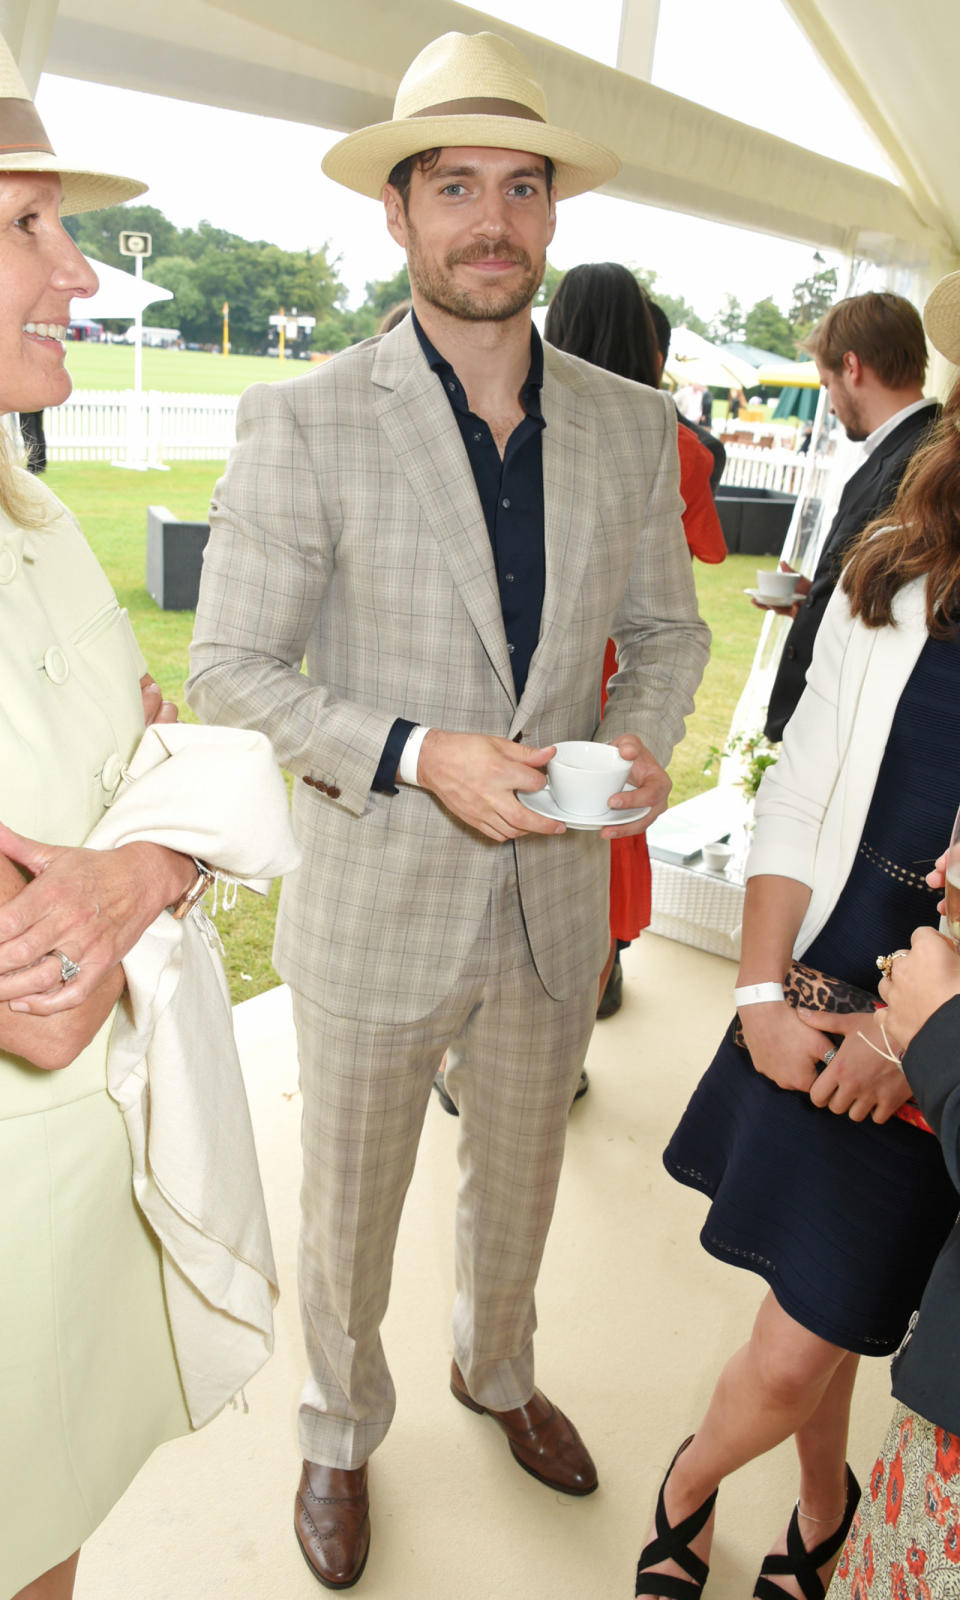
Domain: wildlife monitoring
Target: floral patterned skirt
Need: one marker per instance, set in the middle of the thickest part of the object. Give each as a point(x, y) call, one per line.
point(904, 1543)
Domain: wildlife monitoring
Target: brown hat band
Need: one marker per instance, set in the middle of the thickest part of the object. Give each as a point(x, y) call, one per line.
point(480, 107)
point(21, 129)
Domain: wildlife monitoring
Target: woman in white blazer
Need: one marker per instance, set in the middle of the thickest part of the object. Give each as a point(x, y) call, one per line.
point(821, 1178)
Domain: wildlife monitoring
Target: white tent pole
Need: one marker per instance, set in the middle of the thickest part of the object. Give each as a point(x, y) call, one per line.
point(27, 26)
point(639, 20)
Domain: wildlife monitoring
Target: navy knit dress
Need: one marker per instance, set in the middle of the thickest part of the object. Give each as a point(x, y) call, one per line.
point(844, 1220)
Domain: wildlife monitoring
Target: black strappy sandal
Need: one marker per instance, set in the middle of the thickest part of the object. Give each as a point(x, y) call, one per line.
point(673, 1544)
point(801, 1563)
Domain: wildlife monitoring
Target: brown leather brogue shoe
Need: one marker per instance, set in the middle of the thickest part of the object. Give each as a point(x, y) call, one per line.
point(332, 1523)
point(541, 1439)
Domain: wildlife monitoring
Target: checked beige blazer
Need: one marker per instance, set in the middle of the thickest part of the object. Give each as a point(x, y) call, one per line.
point(347, 534)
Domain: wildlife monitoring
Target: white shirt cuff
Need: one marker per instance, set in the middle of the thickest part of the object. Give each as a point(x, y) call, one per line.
point(410, 756)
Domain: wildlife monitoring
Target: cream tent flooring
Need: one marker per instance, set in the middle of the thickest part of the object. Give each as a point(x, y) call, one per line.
point(635, 1320)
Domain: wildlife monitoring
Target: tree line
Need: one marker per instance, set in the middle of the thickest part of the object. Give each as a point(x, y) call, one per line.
point(205, 266)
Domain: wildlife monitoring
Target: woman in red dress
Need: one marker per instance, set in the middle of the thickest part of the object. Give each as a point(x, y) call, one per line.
point(600, 313)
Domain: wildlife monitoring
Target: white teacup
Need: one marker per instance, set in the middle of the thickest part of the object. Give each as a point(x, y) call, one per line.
point(779, 586)
point(716, 856)
point(584, 775)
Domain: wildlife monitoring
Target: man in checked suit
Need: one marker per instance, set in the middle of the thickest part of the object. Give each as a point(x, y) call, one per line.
point(447, 522)
point(871, 354)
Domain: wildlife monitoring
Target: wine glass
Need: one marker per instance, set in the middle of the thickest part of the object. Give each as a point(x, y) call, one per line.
point(952, 886)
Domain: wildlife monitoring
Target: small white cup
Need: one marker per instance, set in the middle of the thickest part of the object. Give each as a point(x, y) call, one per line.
point(584, 775)
point(779, 586)
point(716, 856)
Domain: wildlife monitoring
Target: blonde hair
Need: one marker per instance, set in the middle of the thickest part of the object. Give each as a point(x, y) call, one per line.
point(17, 498)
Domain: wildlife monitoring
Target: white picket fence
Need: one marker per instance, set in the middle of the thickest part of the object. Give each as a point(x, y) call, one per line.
point(113, 425)
point(754, 468)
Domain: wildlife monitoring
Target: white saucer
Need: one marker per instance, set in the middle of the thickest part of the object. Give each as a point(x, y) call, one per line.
point(768, 602)
point(543, 803)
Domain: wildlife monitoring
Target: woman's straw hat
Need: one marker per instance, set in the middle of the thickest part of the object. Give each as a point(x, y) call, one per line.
point(24, 147)
point(468, 89)
point(941, 317)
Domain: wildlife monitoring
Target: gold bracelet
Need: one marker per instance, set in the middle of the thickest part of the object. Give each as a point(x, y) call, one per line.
point(195, 893)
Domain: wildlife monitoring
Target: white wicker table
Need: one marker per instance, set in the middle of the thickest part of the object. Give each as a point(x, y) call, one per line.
point(692, 903)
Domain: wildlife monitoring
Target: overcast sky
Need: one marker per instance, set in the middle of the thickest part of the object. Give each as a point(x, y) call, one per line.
point(261, 177)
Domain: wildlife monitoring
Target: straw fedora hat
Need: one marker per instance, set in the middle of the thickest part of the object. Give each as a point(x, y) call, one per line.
point(24, 147)
point(941, 317)
point(468, 89)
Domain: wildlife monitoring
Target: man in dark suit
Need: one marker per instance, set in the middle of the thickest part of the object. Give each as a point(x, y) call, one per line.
point(872, 356)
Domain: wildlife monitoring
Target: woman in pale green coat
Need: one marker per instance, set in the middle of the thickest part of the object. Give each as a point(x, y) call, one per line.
point(88, 1377)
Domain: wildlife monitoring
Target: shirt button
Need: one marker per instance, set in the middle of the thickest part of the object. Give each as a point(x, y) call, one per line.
point(478, 437)
point(55, 665)
point(111, 773)
point(505, 504)
point(452, 387)
point(510, 649)
point(8, 566)
point(508, 577)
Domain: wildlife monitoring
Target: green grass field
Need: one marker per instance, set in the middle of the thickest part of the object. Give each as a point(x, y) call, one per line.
point(111, 507)
point(110, 366)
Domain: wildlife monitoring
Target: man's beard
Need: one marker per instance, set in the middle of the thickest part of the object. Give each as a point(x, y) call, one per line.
point(853, 423)
point(496, 302)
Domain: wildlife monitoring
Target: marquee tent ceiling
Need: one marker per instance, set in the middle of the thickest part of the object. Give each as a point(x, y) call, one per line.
point(336, 63)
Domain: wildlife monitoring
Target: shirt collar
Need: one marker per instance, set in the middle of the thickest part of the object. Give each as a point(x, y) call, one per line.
point(529, 394)
point(879, 434)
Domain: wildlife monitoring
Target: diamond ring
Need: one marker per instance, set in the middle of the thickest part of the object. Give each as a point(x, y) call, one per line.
point(68, 968)
point(886, 962)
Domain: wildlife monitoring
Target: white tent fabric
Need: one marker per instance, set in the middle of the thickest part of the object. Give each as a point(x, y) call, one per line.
point(693, 359)
point(119, 295)
point(337, 65)
point(675, 153)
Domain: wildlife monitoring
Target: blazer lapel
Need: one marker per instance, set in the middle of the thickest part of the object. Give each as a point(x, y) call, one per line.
point(419, 425)
point(570, 497)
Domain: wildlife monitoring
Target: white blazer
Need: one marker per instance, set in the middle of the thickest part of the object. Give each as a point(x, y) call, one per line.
point(812, 805)
point(172, 1065)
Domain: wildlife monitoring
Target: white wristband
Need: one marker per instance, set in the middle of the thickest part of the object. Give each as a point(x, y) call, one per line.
point(410, 756)
point(756, 994)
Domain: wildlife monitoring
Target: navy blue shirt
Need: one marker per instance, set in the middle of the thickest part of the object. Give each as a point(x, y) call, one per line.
point(511, 496)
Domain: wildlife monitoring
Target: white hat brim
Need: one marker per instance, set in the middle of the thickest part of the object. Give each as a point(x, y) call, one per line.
point(941, 317)
point(84, 189)
point(364, 160)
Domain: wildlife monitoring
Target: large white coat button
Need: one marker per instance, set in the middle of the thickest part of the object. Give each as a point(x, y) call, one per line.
point(111, 773)
point(56, 665)
point(8, 566)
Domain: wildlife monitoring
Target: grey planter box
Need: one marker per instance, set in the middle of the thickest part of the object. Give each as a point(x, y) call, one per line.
point(754, 521)
point(174, 559)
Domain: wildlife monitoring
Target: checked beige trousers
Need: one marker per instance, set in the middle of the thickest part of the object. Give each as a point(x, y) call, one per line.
point(365, 1093)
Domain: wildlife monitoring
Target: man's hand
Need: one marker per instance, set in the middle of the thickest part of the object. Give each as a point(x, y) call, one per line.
point(652, 786)
point(155, 708)
point(919, 983)
point(92, 905)
point(475, 775)
point(859, 1082)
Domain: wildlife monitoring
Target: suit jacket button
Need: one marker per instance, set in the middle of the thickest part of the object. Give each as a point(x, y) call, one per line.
point(308, 780)
point(333, 792)
point(319, 784)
